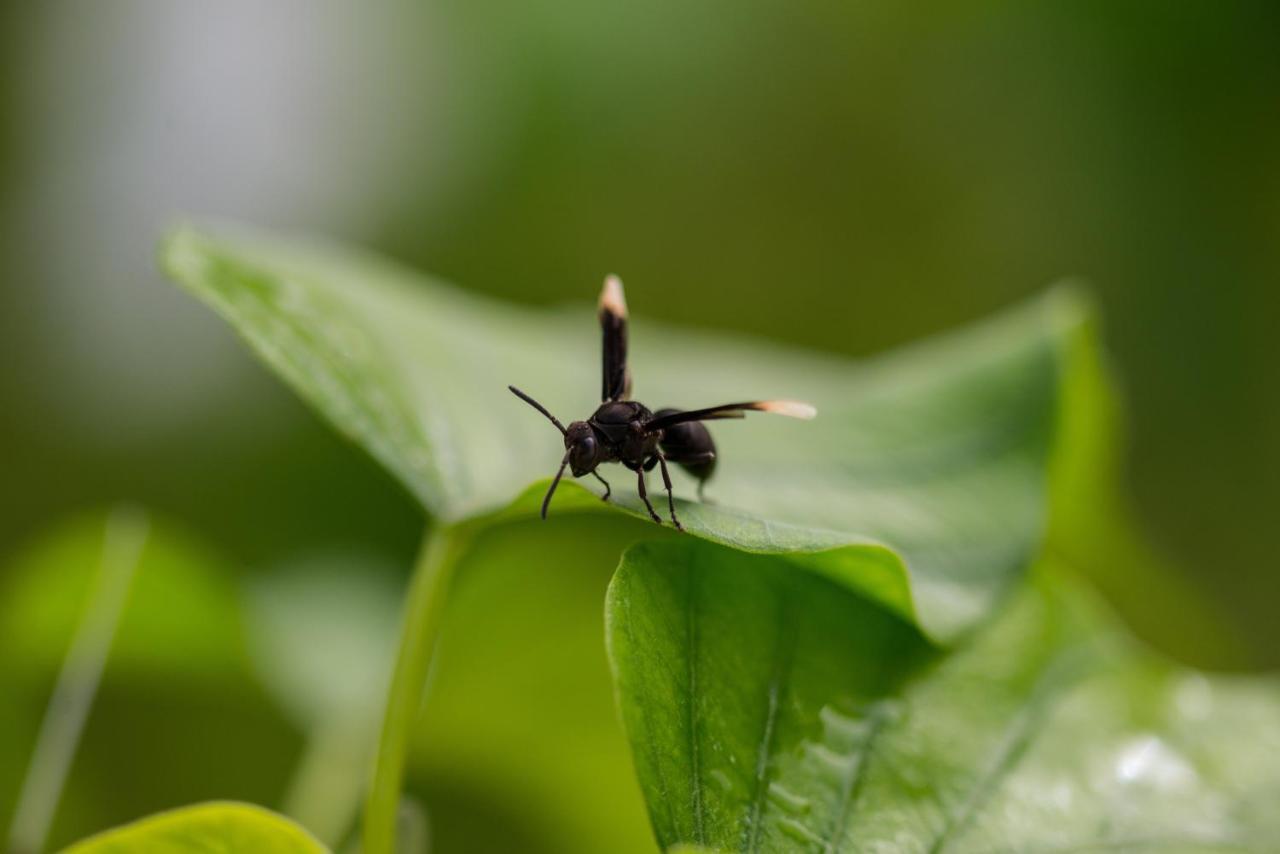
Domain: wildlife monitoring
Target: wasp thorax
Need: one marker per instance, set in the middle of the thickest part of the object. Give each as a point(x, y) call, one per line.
point(580, 441)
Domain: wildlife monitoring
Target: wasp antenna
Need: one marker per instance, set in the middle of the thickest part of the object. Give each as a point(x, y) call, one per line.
point(538, 406)
point(546, 501)
point(789, 408)
point(611, 298)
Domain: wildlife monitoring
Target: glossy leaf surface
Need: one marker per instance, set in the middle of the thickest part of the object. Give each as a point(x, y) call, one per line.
point(774, 711)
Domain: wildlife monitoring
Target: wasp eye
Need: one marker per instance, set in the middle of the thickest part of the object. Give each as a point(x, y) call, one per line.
point(584, 454)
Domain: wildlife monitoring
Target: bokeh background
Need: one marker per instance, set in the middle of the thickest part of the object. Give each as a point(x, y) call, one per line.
point(846, 176)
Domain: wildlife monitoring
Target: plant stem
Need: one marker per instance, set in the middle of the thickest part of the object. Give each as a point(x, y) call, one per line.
point(427, 591)
point(123, 541)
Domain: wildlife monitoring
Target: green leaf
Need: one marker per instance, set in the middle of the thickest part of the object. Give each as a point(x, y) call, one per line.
point(519, 711)
point(183, 619)
point(321, 631)
point(921, 484)
point(771, 710)
point(204, 827)
point(556, 777)
point(178, 681)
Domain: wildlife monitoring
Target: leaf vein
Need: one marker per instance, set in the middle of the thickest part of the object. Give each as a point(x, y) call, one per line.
point(695, 770)
point(785, 652)
point(1012, 747)
point(852, 785)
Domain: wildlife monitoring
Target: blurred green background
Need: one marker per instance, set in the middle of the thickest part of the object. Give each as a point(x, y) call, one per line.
point(846, 176)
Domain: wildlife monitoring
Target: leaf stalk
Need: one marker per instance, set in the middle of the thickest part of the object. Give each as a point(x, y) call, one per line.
point(428, 588)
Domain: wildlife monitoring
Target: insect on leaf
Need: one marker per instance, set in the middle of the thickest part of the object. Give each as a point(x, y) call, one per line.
point(921, 483)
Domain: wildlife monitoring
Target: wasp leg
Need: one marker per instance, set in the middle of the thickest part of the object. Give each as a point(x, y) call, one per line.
point(607, 490)
point(697, 464)
point(644, 496)
point(671, 500)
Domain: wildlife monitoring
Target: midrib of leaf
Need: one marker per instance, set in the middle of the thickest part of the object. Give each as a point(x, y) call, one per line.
point(1022, 728)
point(783, 654)
point(695, 743)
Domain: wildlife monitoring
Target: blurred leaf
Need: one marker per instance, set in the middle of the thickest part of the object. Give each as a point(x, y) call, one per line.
point(519, 715)
point(555, 778)
point(322, 631)
point(772, 711)
point(202, 828)
point(183, 617)
point(125, 534)
point(921, 484)
point(1094, 528)
point(177, 701)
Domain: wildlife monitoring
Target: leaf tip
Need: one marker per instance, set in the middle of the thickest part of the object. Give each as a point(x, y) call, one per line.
point(181, 252)
point(1072, 302)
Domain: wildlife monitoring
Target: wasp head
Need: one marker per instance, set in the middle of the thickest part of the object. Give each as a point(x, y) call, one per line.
point(583, 448)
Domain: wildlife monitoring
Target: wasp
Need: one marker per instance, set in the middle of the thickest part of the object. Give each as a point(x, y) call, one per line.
point(626, 431)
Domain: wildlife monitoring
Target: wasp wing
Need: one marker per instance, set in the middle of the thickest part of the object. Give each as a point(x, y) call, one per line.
point(790, 408)
point(616, 379)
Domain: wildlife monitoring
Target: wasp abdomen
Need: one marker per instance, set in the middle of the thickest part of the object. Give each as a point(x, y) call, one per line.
point(689, 445)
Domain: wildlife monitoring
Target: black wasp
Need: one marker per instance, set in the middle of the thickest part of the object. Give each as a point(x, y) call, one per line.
point(625, 431)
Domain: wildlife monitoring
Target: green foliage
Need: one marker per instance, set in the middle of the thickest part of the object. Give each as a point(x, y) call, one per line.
point(321, 633)
point(769, 711)
point(182, 619)
point(205, 827)
point(177, 696)
point(180, 702)
point(519, 713)
point(781, 672)
point(878, 493)
point(519, 747)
